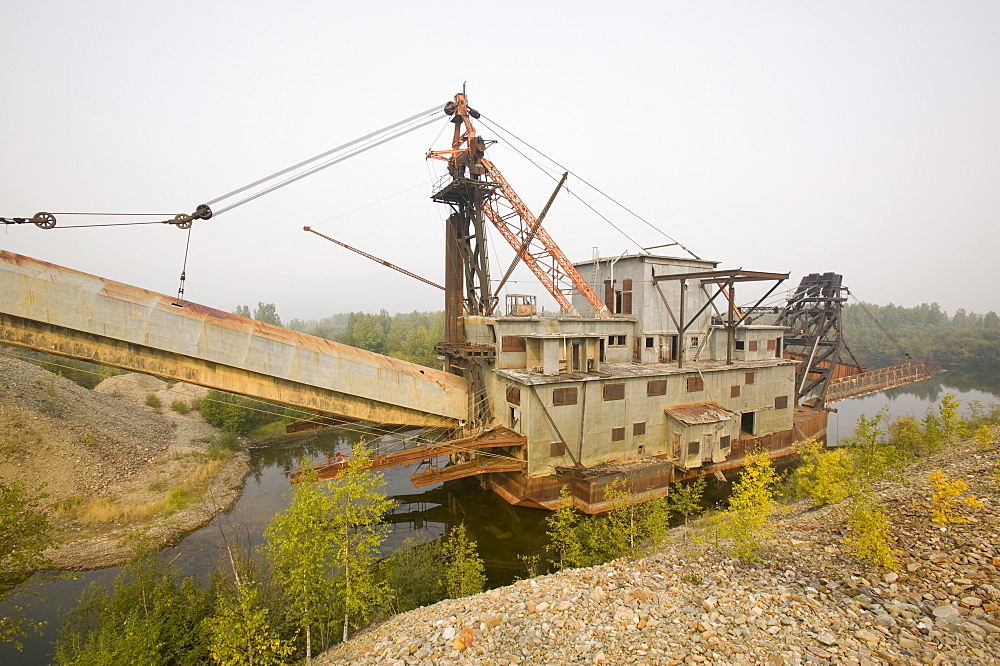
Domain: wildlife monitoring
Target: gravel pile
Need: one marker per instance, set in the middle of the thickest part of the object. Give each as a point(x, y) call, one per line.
point(73, 440)
point(808, 603)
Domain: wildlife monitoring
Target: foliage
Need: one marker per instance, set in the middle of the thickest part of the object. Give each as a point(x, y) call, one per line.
point(564, 538)
point(984, 437)
point(463, 565)
point(24, 535)
point(685, 498)
point(951, 422)
point(947, 496)
point(874, 456)
point(268, 313)
point(869, 534)
point(265, 312)
point(151, 616)
point(153, 401)
point(415, 574)
point(180, 406)
point(927, 333)
point(237, 414)
point(747, 519)
point(827, 476)
point(359, 505)
point(300, 548)
point(241, 629)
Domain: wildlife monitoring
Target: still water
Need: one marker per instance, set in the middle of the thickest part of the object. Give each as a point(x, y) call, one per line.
point(502, 532)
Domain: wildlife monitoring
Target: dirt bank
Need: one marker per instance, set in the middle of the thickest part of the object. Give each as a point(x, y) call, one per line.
point(118, 472)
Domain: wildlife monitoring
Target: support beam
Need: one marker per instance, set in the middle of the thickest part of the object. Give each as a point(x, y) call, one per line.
point(61, 311)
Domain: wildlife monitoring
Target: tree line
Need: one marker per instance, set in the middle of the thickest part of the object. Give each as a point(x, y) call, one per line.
point(881, 336)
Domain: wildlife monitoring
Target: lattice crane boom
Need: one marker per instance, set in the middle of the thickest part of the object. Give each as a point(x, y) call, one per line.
point(538, 251)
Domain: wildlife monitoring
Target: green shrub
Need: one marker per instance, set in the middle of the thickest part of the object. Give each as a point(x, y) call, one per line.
point(236, 414)
point(869, 536)
point(827, 476)
point(153, 401)
point(180, 406)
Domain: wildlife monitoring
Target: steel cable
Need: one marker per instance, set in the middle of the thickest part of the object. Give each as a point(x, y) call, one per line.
point(596, 189)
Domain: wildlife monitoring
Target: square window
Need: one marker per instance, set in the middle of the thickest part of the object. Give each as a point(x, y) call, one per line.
point(781, 402)
point(656, 387)
point(695, 384)
point(739, 345)
point(638, 429)
point(725, 442)
point(563, 396)
point(514, 395)
point(734, 391)
point(752, 345)
point(693, 449)
point(618, 434)
point(694, 340)
point(748, 380)
point(614, 391)
point(557, 449)
point(772, 345)
point(649, 343)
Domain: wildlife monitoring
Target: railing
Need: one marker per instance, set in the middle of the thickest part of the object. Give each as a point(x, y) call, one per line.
point(875, 381)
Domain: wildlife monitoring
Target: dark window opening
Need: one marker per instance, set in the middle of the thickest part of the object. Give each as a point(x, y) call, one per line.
point(739, 345)
point(614, 391)
point(734, 391)
point(514, 395)
point(638, 429)
point(749, 379)
point(781, 402)
point(649, 343)
point(616, 340)
point(656, 387)
point(695, 384)
point(557, 449)
point(513, 343)
point(641, 449)
point(564, 396)
point(693, 448)
point(725, 442)
point(601, 350)
point(618, 434)
point(747, 422)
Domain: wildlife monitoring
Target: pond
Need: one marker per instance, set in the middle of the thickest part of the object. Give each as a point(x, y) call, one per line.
point(502, 532)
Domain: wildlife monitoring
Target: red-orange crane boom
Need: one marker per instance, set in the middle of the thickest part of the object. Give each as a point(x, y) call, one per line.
point(510, 215)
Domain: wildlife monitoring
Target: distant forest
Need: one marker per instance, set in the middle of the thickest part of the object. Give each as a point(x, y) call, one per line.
point(408, 336)
point(965, 344)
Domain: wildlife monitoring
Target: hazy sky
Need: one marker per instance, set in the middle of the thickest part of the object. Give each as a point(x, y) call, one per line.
point(855, 137)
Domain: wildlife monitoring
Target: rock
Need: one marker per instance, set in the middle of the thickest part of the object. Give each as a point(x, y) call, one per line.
point(826, 638)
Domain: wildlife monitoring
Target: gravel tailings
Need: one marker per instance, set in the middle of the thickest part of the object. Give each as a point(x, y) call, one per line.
point(809, 602)
point(80, 445)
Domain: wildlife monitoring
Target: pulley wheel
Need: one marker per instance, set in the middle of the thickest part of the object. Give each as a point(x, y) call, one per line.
point(44, 220)
point(183, 221)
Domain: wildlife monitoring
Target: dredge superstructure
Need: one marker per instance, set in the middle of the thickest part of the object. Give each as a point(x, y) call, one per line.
point(650, 373)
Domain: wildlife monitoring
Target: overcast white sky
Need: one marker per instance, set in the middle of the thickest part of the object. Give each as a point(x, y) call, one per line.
point(855, 137)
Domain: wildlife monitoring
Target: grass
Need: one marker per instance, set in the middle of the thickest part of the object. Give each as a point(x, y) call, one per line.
point(153, 401)
point(111, 509)
point(180, 406)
